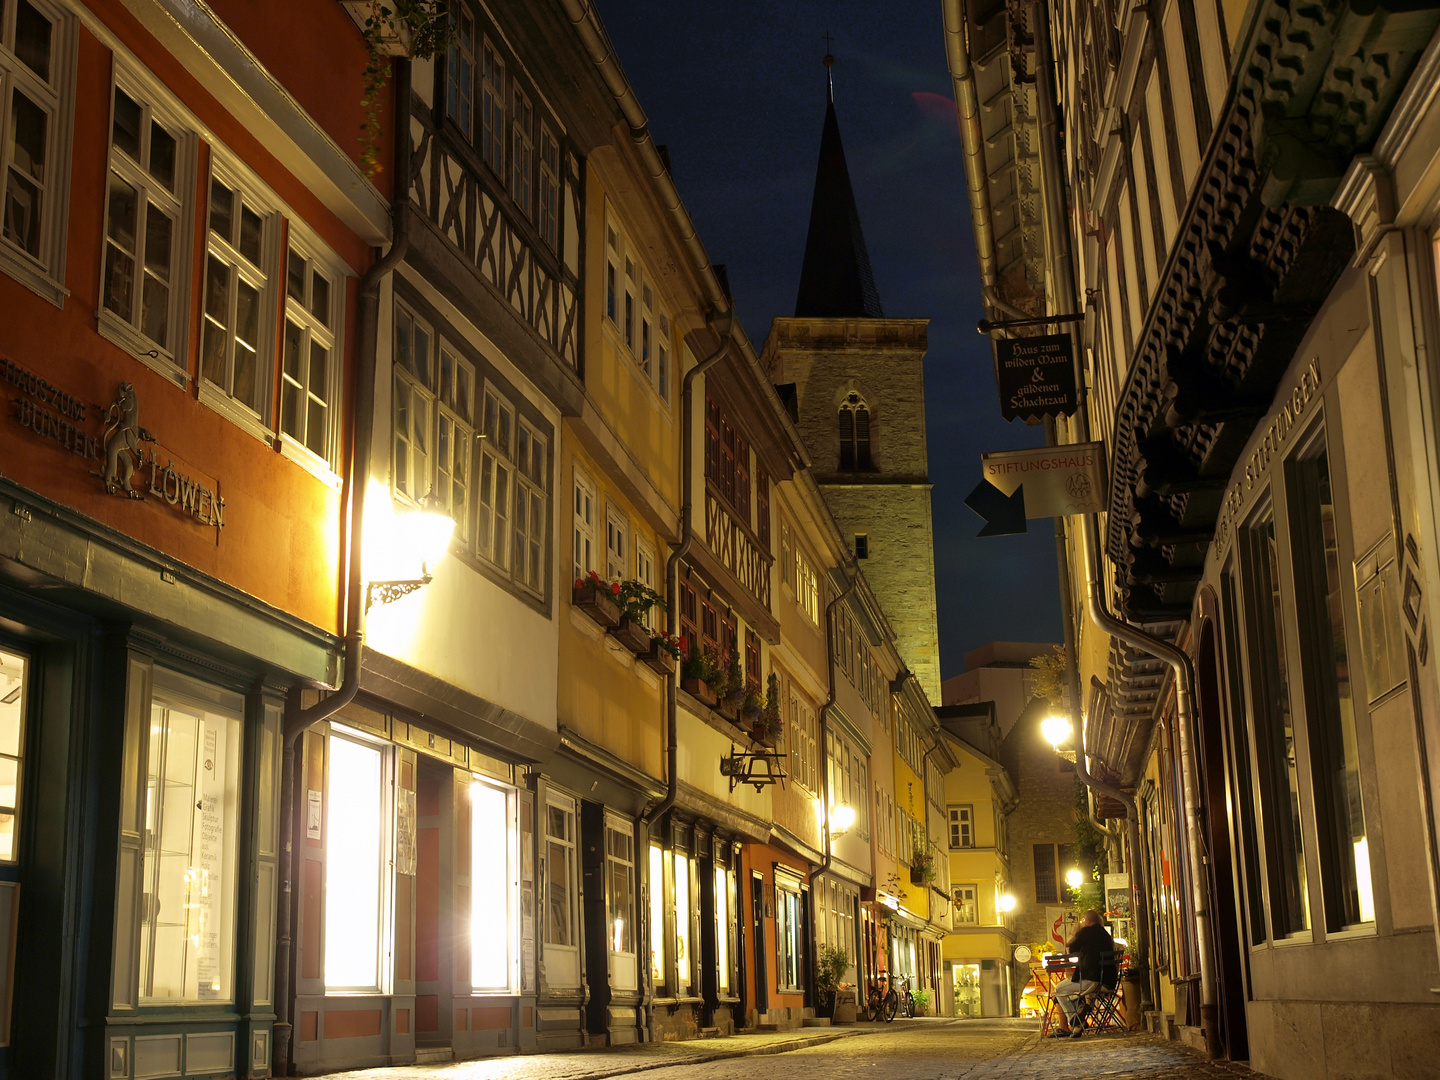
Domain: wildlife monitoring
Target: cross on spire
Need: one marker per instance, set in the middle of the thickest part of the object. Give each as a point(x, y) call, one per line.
point(829, 62)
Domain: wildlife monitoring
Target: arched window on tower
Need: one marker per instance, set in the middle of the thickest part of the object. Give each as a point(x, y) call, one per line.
point(854, 422)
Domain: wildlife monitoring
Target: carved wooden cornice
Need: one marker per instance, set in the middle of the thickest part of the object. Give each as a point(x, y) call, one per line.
point(1257, 255)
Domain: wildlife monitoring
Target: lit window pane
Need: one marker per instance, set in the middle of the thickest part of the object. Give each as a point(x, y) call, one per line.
point(490, 888)
point(657, 914)
point(352, 866)
point(722, 929)
point(683, 962)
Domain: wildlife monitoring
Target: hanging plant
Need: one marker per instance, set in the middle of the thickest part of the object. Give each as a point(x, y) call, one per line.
point(415, 29)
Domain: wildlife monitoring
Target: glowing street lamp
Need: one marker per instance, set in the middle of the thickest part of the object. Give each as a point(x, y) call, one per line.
point(1074, 879)
point(396, 543)
point(841, 818)
point(1006, 903)
point(1057, 730)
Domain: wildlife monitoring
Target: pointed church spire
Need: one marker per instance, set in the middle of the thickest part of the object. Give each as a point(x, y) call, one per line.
point(836, 280)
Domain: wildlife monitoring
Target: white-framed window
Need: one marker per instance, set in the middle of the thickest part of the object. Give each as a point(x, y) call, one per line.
point(145, 273)
point(617, 545)
point(413, 404)
point(549, 191)
point(802, 736)
point(724, 888)
point(807, 587)
point(522, 151)
point(657, 915)
point(627, 312)
point(684, 954)
point(645, 574)
point(787, 555)
point(529, 519)
point(36, 83)
point(583, 547)
point(492, 535)
point(612, 283)
point(561, 931)
point(662, 356)
point(237, 329)
point(494, 888)
point(967, 909)
point(454, 438)
point(492, 108)
point(356, 860)
point(962, 827)
point(789, 935)
point(310, 359)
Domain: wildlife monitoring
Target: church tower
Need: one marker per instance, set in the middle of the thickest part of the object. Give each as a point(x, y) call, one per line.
point(859, 393)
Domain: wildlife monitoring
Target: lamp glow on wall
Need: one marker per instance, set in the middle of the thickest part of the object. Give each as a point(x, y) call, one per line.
point(841, 818)
point(400, 543)
point(1006, 903)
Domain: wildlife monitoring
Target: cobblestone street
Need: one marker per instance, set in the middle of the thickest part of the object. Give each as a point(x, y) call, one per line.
point(905, 1050)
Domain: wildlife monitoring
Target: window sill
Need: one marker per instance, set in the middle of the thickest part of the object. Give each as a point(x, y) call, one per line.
point(677, 1001)
point(240, 416)
point(32, 277)
point(121, 333)
point(315, 466)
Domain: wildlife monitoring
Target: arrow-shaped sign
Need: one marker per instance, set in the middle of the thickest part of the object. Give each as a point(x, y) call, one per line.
point(1047, 481)
point(1004, 514)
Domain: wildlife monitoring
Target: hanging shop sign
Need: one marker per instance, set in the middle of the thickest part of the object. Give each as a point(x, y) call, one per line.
point(1036, 376)
point(129, 460)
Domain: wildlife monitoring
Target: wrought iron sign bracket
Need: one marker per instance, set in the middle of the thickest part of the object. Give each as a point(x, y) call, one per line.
point(989, 326)
point(759, 768)
point(384, 592)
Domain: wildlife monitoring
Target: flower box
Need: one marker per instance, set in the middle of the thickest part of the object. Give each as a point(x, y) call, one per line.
point(632, 635)
point(657, 659)
point(762, 734)
point(729, 709)
point(596, 600)
point(921, 874)
point(700, 690)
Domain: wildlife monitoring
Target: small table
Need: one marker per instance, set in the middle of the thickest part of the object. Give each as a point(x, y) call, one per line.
point(1048, 975)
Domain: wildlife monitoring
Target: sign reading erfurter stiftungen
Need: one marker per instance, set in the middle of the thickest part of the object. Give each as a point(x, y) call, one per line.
point(1036, 376)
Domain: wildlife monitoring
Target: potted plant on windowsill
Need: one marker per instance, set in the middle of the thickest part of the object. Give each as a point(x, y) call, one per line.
point(698, 674)
point(765, 724)
point(664, 651)
point(598, 599)
point(637, 600)
point(733, 695)
point(922, 868)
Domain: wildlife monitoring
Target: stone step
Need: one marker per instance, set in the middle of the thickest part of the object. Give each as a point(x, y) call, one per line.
point(429, 1055)
point(817, 1021)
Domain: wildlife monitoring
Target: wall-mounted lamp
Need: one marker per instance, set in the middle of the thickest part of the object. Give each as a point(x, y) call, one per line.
point(1074, 878)
point(1057, 730)
point(1006, 903)
point(841, 818)
point(399, 543)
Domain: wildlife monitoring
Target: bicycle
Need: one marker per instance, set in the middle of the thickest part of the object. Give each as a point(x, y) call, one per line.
point(881, 1001)
point(906, 999)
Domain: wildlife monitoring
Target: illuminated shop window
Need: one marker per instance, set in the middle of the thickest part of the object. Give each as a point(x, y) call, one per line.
point(13, 670)
point(187, 925)
point(493, 888)
point(353, 863)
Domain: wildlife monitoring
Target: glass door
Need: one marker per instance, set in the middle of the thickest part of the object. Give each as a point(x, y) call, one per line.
point(14, 672)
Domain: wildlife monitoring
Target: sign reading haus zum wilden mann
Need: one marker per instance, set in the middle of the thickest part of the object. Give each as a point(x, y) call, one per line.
point(1036, 377)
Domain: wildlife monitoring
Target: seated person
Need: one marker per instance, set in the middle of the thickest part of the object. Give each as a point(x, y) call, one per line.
point(1095, 949)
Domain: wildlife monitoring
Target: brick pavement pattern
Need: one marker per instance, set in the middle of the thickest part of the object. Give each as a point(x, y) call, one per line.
point(905, 1050)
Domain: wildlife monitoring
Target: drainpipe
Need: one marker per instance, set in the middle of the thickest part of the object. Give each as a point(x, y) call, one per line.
point(851, 582)
point(1179, 661)
point(723, 324)
point(972, 142)
point(298, 720)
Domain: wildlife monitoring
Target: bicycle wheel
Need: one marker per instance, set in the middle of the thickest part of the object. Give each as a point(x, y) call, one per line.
point(892, 1003)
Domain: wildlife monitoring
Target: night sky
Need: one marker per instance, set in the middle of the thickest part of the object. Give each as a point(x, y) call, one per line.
point(736, 91)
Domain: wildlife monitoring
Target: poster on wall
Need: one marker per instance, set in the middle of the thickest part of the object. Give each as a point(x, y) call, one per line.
point(1061, 924)
point(1117, 896)
point(206, 885)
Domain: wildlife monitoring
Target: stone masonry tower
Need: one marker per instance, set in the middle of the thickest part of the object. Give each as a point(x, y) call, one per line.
point(859, 393)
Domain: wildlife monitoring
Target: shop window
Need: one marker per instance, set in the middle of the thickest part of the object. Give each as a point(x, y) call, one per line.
point(1334, 748)
point(657, 915)
point(192, 795)
point(493, 886)
point(619, 886)
point(13, 672)
point(354, 861)
point(722, 928)
point(1244, 781)
point(1275, 752)
point(684, 956)
point(559, 867)
point(789, 936)
point(143, 288)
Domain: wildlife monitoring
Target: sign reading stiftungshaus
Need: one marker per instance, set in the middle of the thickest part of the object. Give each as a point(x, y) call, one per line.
point(1036, 376)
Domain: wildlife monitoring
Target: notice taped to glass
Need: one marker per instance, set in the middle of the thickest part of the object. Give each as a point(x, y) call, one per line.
point(1036, 377)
